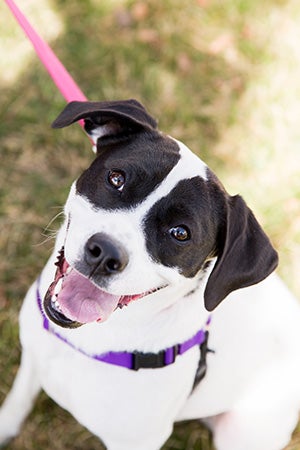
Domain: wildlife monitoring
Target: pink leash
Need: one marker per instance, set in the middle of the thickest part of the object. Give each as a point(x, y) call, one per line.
point(71, 91)
point(55, 68)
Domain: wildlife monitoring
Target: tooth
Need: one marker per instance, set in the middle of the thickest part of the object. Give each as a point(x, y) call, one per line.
point(58, 286)
point(68, 270)
point(55, 303)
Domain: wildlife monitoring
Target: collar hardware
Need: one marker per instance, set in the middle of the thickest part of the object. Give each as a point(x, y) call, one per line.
point(155, 360)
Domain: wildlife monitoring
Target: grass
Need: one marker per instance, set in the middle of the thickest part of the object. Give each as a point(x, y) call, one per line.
point(221, 76)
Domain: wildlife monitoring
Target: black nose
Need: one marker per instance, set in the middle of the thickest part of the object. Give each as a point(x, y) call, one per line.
point(105, 256)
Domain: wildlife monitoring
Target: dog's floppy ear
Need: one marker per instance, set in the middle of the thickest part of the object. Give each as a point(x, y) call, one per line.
point(107, 122)
point(245, 254)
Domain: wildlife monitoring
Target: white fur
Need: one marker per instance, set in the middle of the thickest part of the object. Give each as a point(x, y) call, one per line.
point(250, 396)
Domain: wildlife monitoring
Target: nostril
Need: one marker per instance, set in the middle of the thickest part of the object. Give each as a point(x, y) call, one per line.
point(94, 250)
point(113, 265)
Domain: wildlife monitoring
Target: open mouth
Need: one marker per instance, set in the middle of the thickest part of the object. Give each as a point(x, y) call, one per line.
point(73, 300)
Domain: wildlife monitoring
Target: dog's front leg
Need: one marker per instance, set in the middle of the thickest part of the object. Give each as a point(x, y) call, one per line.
point(20, 399)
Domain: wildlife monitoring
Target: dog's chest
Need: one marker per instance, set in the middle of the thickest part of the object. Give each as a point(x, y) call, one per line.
point(101, 396)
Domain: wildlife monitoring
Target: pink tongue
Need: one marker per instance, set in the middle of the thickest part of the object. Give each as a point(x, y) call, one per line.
point(83, 302)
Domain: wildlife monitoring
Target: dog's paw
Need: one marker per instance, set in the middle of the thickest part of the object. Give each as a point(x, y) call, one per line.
point(5, 438)
point(8, 428)
point(5, 443)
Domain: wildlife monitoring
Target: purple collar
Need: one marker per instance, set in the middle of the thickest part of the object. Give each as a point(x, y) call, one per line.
point(134, 360)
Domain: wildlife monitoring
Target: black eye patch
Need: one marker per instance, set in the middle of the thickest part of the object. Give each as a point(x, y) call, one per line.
point(181, 229)
point(134, 168)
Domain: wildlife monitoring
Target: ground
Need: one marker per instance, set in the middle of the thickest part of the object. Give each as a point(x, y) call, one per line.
point(221, 76)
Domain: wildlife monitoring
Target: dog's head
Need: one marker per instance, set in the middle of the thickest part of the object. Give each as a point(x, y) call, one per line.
point(148, 215)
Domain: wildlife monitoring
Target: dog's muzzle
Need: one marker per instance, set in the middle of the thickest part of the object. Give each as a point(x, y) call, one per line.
point(75, 297)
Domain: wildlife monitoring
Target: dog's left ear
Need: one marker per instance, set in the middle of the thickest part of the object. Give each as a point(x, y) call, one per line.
point(107, 122)
point(245, 255)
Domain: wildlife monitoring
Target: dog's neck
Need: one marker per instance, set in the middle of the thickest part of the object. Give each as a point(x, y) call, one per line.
point(137, 360)
point(158, 321)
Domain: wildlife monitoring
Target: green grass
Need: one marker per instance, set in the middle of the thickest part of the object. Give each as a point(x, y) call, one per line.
point(221, 76)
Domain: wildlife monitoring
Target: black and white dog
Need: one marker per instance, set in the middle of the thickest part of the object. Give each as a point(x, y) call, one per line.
point(118, 326)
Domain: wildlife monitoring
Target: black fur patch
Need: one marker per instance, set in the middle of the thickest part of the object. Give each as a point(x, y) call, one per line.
point(197, 204)
point(145, 159)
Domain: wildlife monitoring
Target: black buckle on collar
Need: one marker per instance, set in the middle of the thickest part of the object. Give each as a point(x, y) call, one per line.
point(153, 360)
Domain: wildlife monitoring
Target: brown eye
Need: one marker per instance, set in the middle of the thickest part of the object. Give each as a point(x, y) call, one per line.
point(116, 179)
point(180, 233)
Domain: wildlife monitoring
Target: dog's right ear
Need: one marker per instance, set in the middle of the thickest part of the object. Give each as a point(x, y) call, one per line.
point(245, 254)
point(107, 122)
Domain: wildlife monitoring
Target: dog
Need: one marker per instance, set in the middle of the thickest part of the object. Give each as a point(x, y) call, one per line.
point(126, 327)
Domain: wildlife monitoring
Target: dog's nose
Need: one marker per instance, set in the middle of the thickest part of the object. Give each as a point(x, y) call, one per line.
point(104, 255)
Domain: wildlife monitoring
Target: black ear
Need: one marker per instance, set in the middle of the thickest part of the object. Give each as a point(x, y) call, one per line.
point(245, 255)
point(102, 120)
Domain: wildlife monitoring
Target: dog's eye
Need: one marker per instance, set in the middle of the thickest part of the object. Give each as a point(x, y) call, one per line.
point(180, 233)
point(117, 179)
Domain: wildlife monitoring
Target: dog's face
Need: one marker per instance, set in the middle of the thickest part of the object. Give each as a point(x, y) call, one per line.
point(147, 215)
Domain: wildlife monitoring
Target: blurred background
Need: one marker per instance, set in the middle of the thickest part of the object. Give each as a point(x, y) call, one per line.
point(223, 76)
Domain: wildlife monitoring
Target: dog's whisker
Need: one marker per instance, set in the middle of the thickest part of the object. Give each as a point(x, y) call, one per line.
point(44, 241)
point(60, 213)
point(50, 233)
